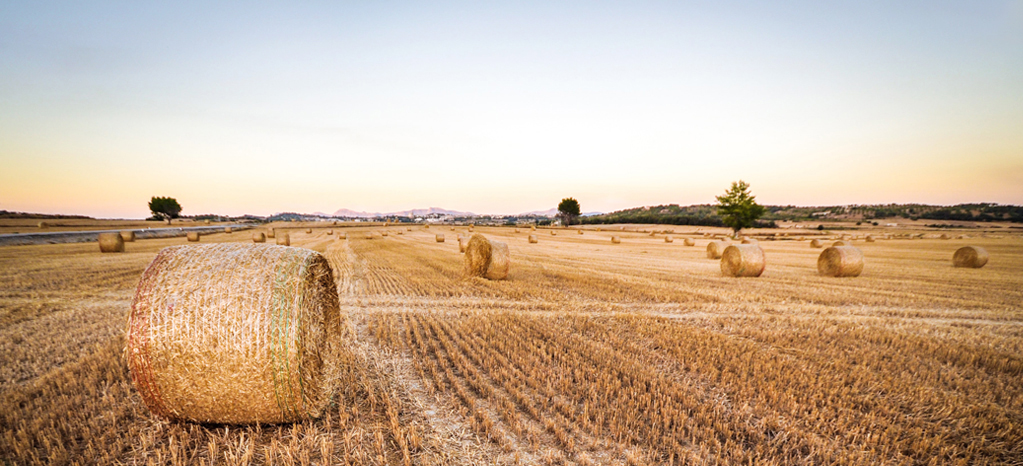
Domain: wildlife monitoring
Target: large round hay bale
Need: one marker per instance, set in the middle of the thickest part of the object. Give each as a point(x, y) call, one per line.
point(228, 230)
point(383, 233)
point(202, 349)
point(342, 235)
point(689, 242)
point(284, 239)
point(308, 230)
point(330, 232)
point(553, 233)
point(532, 227)
point(426, 227)
point(472, 228)
point(580, 232)
point(206, 222)
point(128, 236)
point(193, 236)
point(269, 232)
point(748, 240)
point(970, 256)
point(440, 238)
point(869, 238)
point(516, 230)
point(943, 236)
point(408, 228)
point(258, 237)
point(615, 239)
point(368, 235)
point(816, 243)
point(43, 225)
point(743, 260)
point(840, 261)
point(533, 239)
point(111, 242)
point(716, 248)
point(842, 243)
point(486, 258)
point(669, 239)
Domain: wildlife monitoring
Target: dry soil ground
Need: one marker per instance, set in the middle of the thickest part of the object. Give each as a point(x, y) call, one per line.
point(590, 353)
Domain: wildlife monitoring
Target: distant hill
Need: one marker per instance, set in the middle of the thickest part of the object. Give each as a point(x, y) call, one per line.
point(706, 214)
point(6, 214)
point(405, 213)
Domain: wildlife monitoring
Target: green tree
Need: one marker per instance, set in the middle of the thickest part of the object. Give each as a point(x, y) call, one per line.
point(568, 210)
point(164, 208)
point(738, 208)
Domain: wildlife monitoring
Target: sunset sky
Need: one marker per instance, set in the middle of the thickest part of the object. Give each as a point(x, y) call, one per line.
point(506, 108)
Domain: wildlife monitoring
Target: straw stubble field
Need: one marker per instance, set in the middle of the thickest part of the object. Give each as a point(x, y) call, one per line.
point(589, 353)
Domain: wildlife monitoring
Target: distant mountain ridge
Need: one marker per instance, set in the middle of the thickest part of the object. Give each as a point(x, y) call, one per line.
point(403, 213)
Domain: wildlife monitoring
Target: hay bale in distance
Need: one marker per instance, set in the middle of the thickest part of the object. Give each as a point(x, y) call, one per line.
point(440, 238)
point(206, 221)
point(201, 350)
point(269, 232)
point(383, 233)
point(128, 236)
point(43, 225)
point(973, 257)
point(669, 239)
point(840, 261)
point(258, 237)
point(486, 258)
point(716, 248)
point(816, 243)
point(743, 260)
point(228, 230)
point(689, 242)
point(284, 239)
point(553, 233)
point(111, 242)
point(615, 239)
point(580, 232)
point(532, 227)
point(869, 238)
point(462, 244)
point(943, 236)
point(342, 235)
point(308, 230)
point(532, 239)
point(330, 232)
point(369, 235)
point(748, 240)
point(842, 243)
point(193, 236)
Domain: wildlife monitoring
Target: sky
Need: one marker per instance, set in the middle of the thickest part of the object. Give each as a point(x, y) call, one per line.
point(488, 107)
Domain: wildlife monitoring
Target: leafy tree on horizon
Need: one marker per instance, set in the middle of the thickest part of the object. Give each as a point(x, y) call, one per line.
point(568, 210)
point(164, 208)
point(738, 208)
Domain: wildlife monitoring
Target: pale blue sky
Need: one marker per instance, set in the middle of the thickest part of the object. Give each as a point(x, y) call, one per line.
point(258, 108)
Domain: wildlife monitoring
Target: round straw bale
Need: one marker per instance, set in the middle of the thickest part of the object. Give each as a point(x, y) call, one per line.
point(743, 260)
point(330, 232)
point(706, 235)
point(342, 235)
point(869, 238)
point(816, 243)
point(308, 230)
point(689, 242)
point(399, 232)
point(532, 227)
point(227, 230)
point(462, 243)
point(486, 258)
point(840, 261)
point(235, 334)
point(841, 243)
point(43, 225)
point(516, 230)
point(284, 239)
point(408, 228)
point(943, 236)
point(553, 233)
point(615, 239)
point(383, 233)
point(269, 232)
point(669, 239)
point(111, 242)
point(440, 238)
point(426, 227)
point(970, 256)
point(532, 239)
point(369, 235)
point(258, 237)
point(580, 232)
point(598, 228)
point(716, 248)
point(206, 222)
point(193, 236)
point(128, 236)
point(472, 228)
point(748, 240)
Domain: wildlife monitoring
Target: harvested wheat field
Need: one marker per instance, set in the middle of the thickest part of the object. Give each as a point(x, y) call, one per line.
point(587, 353)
